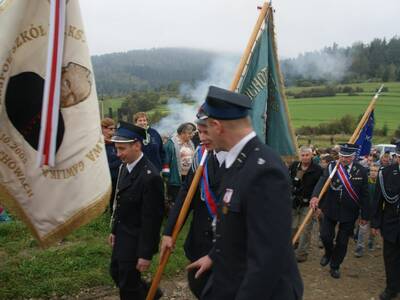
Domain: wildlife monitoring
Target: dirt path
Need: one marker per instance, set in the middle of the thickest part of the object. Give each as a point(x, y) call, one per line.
point(362, 278)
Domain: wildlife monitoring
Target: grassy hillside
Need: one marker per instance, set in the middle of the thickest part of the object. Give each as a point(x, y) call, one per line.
point(313, 111)
point(80, 261)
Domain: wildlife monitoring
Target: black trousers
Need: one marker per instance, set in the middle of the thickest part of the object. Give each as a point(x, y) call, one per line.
point(335, 251)
point(391, 258)
point(197, 285)
point(127, 278)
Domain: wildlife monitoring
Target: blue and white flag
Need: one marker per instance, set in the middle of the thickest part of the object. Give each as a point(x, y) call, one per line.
point(365, 137)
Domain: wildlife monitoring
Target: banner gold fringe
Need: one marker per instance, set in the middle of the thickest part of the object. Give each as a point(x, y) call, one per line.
point(281, 85)
point(82, 217)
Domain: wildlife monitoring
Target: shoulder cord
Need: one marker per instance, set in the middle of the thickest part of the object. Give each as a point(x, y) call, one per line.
point(115, 196)
point(336, 189)
point(389, 199)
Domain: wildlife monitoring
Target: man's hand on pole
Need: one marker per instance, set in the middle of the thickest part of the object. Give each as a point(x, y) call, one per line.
point(314, 203)
point(166, 243)
point(202, 264)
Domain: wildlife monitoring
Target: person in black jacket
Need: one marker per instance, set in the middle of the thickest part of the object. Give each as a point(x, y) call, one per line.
point(199, 240)
point(252, 257)
point(386, 219)
point(346, 197)
point(305, 175)
point(137, 214)
point(152, 144)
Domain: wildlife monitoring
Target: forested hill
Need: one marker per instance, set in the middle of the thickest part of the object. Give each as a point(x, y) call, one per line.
point(121, 73)
point(378, 60)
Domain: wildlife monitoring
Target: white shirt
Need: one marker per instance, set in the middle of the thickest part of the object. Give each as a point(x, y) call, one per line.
point(235, 150)
point(134, 163)
point(221, 155)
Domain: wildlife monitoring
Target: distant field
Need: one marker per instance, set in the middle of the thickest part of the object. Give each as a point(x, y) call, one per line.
point(313, 111)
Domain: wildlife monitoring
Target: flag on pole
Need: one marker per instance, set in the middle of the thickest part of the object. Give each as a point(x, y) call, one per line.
point(51, 96)
point(73, 187)
point(364, 140)
point(262, 82)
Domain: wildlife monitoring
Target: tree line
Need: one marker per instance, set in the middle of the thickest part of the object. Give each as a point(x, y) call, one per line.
point(378, 60)
point(148, 69)
point(119, 74)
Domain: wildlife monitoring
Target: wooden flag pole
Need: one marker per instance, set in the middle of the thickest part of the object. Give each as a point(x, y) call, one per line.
point(199, 171)
point(178, 226)
point(352, 140)
point(247, 51)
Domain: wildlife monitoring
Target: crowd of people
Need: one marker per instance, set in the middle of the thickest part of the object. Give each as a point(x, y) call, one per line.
point(247, 207)
point(355, 204)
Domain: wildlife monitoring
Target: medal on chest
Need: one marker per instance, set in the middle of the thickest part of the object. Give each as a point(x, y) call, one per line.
point(226, 200)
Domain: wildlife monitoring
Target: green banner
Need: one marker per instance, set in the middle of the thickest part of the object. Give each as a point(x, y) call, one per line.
point(262, 83)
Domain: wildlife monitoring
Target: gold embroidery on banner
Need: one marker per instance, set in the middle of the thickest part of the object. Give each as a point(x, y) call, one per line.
point(27, 35)
point(75, 33)
point(32, 33)
point(12, 165)
point(76, 168)
point(15, 147)
point(76, 84)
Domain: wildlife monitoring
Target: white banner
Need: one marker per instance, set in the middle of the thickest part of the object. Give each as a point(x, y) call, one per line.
point(52, 201)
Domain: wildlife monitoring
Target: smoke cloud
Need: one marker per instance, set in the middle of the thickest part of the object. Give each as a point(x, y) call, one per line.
point(326, 64)
point(220, 73)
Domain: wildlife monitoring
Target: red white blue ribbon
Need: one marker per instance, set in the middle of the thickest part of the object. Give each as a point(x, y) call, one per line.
point(52, 88)
point(344, 178)
point(206, 193)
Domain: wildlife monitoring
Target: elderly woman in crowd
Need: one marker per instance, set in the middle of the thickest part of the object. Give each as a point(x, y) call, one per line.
point(179, 150)
point(153, 144)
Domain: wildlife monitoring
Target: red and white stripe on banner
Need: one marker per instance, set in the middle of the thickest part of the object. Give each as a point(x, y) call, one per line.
point(52, 88)
point(347, 184)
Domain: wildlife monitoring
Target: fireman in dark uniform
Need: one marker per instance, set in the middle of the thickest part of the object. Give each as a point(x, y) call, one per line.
point(252, 257)
point(137, 214)
point(346, 197)
point(386, 219)
point(199, 240)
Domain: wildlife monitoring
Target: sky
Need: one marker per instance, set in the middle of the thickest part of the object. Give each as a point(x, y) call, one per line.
point(221, 25)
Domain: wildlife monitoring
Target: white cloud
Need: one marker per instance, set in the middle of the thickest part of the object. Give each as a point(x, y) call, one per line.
point(122, 25)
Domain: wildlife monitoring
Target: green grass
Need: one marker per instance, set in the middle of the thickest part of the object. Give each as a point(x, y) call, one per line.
point(81, 261)
point(313, 111)
point(114, 103)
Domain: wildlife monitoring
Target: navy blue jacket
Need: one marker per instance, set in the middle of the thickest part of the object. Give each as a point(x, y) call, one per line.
point(113, 161)
point(337, 203)
point(154, 149)
point(199, 240)
point(386, 215)
point(139, 212)
point(253, 256)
